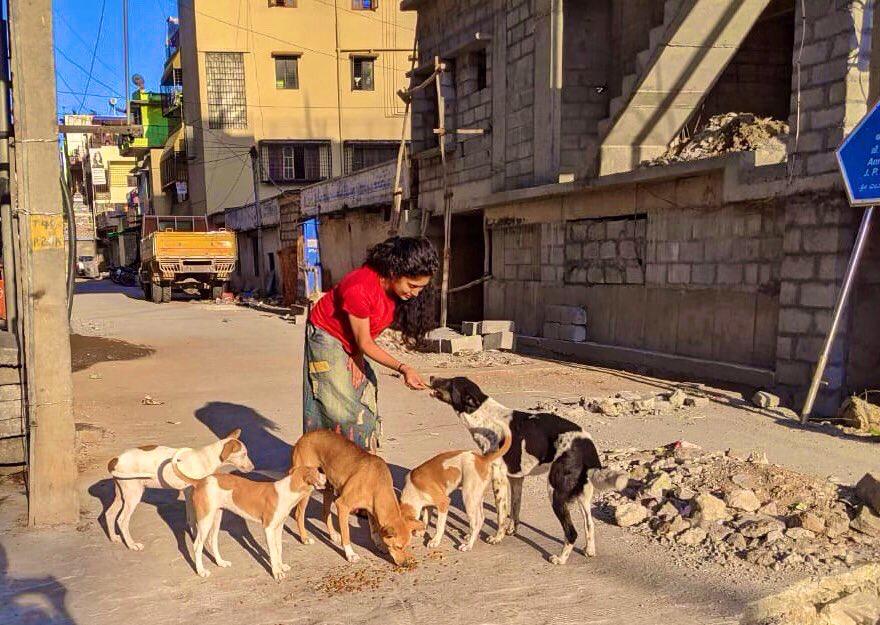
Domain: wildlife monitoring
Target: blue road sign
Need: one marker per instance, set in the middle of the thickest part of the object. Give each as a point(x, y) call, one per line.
point(859, 160)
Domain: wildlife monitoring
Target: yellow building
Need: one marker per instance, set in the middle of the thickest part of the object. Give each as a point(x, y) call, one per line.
point(310, 84)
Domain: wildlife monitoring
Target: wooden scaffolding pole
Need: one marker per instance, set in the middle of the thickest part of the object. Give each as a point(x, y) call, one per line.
point(447, 195)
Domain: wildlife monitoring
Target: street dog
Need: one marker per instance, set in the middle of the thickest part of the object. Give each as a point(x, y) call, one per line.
point(149, 467)
point(268, 503)
point(361, 481)
point(430, 484)
point(540, 442)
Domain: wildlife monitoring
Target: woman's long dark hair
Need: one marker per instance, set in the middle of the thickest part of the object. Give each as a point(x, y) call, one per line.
point(410, 257)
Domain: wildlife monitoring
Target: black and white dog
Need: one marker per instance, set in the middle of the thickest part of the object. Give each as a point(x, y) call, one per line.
point(540, 442)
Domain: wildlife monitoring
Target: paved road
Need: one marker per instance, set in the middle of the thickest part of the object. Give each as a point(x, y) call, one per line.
point(215, 368)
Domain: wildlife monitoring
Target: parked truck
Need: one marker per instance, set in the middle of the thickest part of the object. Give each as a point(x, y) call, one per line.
point(181, 252)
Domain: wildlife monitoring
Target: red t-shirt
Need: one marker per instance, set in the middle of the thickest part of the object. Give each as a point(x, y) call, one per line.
point(360, 294)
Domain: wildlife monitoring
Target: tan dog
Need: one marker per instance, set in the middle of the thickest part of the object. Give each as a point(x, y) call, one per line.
point(362, 481)
point(430, 484)
point(149, 467)
point(267, 503)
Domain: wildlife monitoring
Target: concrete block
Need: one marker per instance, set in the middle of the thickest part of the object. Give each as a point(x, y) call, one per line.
point(817, 295)
point(550, 330)
point(446, 341)
point(798, 267)
point(490, 326)
point(470, 328)
point(565, 314)
point(499, 340)
point(571, 332)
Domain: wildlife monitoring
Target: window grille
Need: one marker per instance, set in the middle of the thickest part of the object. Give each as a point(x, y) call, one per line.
point(227, 102)
point(286, 72)
point(362, 154)
point(295, 161)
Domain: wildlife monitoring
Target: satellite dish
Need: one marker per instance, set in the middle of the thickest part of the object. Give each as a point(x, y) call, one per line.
point(138, 81)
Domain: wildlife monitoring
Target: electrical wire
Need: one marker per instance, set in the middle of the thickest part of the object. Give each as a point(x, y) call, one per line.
point(67, 58)
point(94, 54)
point(113, 71)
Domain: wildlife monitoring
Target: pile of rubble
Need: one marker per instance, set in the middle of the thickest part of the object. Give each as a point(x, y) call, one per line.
point(431, 356)
point(627, 403)
point(726, 133)
point(728, 509)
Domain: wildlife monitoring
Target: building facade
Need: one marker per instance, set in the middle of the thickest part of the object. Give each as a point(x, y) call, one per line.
point(726, 265)
point(307, 87)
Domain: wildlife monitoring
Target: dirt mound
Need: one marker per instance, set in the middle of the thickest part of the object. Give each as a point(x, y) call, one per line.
point(726, 133)
point(732, 510)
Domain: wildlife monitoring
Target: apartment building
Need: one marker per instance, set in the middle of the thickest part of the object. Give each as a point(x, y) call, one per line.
point(308, 84)
point(725, 265)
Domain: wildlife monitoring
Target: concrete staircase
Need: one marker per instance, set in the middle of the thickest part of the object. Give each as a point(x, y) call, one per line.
point(686, 55)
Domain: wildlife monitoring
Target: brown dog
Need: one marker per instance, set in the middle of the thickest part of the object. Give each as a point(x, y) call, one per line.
point(361, 481)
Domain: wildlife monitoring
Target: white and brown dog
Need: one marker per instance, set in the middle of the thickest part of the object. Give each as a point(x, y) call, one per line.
point(149, 466)
point(267, 503)
point(430, 484)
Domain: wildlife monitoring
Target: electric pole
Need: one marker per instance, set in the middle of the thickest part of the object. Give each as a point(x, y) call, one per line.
point(42, 280)
point(258, 209)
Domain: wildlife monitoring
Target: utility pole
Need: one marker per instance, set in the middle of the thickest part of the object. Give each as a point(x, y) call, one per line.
point(125, 88)
point(255, 164)
point(43, 276)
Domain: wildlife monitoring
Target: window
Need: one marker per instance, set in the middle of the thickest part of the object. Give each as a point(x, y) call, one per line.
point(227, 103)
point(362, 154)
point(479, 60)
point(287, 72)
point(362, 73)
point(364, 5)
point(295, 161)
point(288, 4)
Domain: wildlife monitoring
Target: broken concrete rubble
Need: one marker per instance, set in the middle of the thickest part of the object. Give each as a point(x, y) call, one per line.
point(860, 414)
point(763, 399)
point(868, 490)
point(446, 341)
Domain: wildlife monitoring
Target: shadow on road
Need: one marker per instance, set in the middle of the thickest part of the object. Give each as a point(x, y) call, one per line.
point(33, 600)
point(86, 351)
point(267, 450)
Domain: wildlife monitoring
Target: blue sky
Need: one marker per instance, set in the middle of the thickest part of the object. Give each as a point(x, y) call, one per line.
point(76, 30)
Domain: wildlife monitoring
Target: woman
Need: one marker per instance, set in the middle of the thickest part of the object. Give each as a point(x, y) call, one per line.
point(339, 385)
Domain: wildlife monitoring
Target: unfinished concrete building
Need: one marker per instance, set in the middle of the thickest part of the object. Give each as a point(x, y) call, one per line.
point(611, 173)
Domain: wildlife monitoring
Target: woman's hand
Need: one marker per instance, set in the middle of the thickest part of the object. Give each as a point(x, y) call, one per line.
point(412, 378)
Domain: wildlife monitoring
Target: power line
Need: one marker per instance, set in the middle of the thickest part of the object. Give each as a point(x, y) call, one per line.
point(94, 52)
point(67, 58)
point(71, 91)
point(86, 43)
point(364, 14)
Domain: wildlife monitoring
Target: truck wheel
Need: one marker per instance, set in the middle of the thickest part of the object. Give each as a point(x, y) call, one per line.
point(155, 293)
point(166, 293)
point(216, 292)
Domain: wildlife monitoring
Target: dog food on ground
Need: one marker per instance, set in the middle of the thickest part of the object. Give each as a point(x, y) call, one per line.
point(731, 510)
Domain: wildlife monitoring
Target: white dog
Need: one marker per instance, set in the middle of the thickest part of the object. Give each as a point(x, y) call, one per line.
point(149, 466)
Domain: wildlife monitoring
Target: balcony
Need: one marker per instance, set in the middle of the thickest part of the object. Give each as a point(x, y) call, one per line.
point(172, 99)
point(146, 111)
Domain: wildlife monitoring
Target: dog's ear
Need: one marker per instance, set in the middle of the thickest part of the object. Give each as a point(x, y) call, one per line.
point(236, 433)
point(414, 525)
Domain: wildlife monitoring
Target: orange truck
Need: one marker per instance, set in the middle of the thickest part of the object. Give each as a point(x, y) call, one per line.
point(182, 253)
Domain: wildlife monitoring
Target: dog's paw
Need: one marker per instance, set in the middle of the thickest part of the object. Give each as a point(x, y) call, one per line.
point(554, 559)
point(435, 542)
point(278, 575)
point(308, 541)
point(494, 539)
point(204, 573)
point(223, 563)
point(466, 546)
point(136, 546)
point(352, 557)
point(590, 551)
point(510, 528)
point(115, 538)
point(285, 567)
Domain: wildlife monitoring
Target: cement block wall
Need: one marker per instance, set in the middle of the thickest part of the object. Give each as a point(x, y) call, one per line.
point(834, 80)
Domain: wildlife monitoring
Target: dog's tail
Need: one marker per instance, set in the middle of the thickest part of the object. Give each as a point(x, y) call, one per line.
point(505, 445)
point(608, 479)
point(183, 477)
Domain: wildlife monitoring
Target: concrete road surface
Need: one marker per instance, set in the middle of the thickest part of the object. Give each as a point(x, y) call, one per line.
point(211, 368)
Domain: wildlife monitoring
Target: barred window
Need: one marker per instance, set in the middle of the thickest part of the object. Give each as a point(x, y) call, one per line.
point(362, 73)
point(287, 72)
point(227, 103)
point(295, 161)
point(362, 154)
